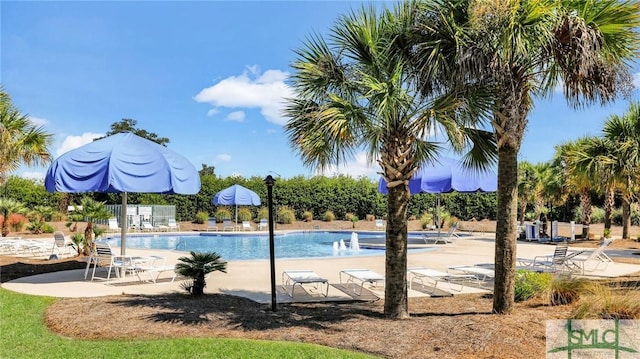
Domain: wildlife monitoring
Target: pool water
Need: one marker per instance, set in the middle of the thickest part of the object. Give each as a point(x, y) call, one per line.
point(251, 246)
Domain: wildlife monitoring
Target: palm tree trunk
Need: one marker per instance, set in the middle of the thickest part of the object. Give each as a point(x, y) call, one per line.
point(626, 217)
point(395, 303)
point(505, 246)
point(608, 208)
point(585, 205)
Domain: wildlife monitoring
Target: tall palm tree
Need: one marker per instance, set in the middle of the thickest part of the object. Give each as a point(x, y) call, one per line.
point(523, 49)
point(21, 142)
point(526, 187)
point(624, 132)
point(355, 92)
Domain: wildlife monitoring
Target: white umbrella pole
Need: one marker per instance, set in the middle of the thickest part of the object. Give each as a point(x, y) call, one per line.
point(123, 225)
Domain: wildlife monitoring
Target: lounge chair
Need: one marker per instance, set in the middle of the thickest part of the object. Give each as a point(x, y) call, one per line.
point(173, 225)
point(560, 261)
point(597, 256)
point(379, 224)
point(150, 267)
point(148, 227)
point(113, 225)
point(263, 225)
point(246, 226)
point(443, 239)
point(301, 277)
point(212, 225)
point(227, 225)
point(102, 254)
point(483, 274)
point(358, 277)
point(428, 275)
point(60, 244)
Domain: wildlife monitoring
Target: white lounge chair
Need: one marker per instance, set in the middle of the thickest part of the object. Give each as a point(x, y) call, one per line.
point(153, 266)
point(447, 238)
point(113, 225)
point(103, 254)
point(246, 226)
point(301, 277)
point(560, 261)
point(483, 274)
point(263, 225)
point(212, 225)
point(379, 224)
point(596, 257)
point(227, 225)
point(60, 244)
point(358, 277)
point(148, 227)
point(173, 225)
point(428, 275)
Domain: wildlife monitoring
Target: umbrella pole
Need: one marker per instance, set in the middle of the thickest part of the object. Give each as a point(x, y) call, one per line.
point(123, 225)
point(438, 213)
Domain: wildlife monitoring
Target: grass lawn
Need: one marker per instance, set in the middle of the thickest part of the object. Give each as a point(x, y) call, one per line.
point(24, 335)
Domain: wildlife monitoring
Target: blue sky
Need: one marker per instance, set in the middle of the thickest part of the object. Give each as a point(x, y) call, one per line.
point(209, 75)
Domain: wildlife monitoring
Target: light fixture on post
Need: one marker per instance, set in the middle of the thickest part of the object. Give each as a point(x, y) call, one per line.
point(270, 182)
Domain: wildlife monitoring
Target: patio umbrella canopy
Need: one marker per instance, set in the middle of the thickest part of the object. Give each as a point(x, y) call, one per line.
point(447, 175)
point(122, 163)
point(238, 196)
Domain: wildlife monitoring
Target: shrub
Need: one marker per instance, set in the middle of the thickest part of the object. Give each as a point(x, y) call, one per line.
point(426, 221)
point(606, 233)
point(17, 222)
point(452, 220)
point(597, 215)
point(244, 214)
point(370, 217)
point(348, 216)
point(530, 284)
point(35, 227)
point(307, 216)
point(263, 212)
point(603, 302)
point(197, 267)
point(328, 216)
point(201, 217)
point(223, 213)
point(564, 290)
point(58, 216)
point(286, 215)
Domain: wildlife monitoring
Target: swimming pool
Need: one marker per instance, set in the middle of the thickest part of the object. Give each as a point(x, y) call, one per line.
point(254, 246)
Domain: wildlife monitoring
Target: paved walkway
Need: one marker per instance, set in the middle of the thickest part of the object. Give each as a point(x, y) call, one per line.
point(252, 278)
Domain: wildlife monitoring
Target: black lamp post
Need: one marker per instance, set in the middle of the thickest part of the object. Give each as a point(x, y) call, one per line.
point(269, 181)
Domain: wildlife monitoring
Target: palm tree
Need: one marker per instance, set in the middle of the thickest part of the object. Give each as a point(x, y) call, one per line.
point(523, 49)
point(20, 141)
point(9, 206)
point(355, 93)
point(91, 210)
point(581, 176)
point(197, 267)
point(624, 133)
point(526, 187)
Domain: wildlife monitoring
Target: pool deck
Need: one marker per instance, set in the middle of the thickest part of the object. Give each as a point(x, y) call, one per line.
point(251, 278)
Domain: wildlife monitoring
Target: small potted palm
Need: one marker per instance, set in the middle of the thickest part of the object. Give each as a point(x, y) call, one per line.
point(197, 267)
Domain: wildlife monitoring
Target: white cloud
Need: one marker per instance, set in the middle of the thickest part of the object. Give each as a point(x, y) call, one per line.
point(357, 168)
point(71, 142)
point(33, 175)
point(636, 80)
point(265, 91)
point(38, 121)
point(212, 112)
point(237, 116)
point(223, 157)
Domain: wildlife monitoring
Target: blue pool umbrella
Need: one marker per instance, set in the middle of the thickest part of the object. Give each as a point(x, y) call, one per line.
point(122, 163)
point(446, 175)
point(236, 195)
